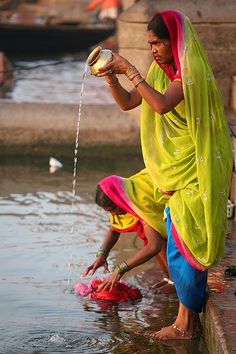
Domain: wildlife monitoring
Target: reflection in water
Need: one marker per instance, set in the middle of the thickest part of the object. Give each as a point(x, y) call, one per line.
point(56, 80)
point(38, 313)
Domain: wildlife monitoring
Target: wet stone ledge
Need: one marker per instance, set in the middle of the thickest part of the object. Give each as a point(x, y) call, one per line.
point(35, 124)
point(219, 317)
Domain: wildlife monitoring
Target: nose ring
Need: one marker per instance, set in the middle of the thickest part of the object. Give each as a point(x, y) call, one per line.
point(154, 50)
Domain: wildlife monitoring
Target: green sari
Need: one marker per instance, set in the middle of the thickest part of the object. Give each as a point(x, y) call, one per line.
point(188, 150)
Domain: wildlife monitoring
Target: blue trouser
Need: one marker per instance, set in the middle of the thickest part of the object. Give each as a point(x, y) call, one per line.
point(190, 283)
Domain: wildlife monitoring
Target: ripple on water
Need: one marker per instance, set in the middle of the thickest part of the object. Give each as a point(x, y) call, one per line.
point(70, 341)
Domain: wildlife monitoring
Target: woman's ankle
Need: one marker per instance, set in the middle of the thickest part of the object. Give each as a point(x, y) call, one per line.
point(186, 320)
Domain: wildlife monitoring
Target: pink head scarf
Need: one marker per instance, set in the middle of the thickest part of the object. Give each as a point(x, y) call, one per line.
point(113, 187)
point(174, 21)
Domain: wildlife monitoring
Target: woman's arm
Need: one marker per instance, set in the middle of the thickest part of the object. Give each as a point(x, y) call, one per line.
point(147, 252)
point(126, 100)
point(161, 103)
point(110, 240)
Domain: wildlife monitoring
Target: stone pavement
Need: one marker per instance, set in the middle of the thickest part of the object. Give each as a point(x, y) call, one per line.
point(219, 319)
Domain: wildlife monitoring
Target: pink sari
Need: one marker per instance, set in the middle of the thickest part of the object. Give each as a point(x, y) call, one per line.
point(135, 195)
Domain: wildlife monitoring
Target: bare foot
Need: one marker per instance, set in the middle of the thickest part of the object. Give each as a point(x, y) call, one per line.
point(174, 332)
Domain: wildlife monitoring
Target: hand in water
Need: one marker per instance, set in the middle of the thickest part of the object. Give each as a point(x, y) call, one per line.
point(110, 282)
point(99, 262)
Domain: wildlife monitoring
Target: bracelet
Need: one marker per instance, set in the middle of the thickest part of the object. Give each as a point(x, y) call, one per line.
point(131, 77)
point(132, 72)
point(168, 281)
point(122, 267)
point(113, 83)
point(103, 253)
point(139, 82)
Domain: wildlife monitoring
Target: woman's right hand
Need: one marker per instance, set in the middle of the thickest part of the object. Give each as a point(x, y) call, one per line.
point(110, 282)
point(100, 261)
point(118, 65)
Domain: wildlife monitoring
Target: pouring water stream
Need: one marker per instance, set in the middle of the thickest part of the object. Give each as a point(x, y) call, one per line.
point(97, 59)
point(69, 276)
point(75, 166)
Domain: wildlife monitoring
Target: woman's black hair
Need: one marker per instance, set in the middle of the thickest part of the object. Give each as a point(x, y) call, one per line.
point(158, 27)
point(102, 199)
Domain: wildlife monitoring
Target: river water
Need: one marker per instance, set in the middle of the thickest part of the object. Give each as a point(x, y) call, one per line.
point(55, 80)
point(39, 311)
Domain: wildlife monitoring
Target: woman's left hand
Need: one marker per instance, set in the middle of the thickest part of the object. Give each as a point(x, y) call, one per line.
point(110, 282)
point(118, 65)
point(100, 261)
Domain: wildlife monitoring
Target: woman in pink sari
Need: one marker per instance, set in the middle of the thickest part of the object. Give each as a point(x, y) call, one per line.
point(132, 208)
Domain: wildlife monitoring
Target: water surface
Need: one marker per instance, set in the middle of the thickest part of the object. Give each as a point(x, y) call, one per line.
point(41, 261)
point(55, 79)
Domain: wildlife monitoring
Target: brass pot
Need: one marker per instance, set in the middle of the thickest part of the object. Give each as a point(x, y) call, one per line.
point(98, 58)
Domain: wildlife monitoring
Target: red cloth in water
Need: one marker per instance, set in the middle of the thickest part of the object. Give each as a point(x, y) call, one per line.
point(121, 292)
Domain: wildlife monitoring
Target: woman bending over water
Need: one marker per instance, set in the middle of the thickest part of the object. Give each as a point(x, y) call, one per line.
point(187, 152)
point(132, 208)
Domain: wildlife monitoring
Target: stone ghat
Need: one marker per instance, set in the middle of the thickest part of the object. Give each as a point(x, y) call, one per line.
point(35, 124)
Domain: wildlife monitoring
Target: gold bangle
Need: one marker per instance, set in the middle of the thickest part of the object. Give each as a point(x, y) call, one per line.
point(103, 253)
point(113, 83)
point(122, 267)
point(134, 75)
point(128, 71)
point(132, 72)
point(139, 82)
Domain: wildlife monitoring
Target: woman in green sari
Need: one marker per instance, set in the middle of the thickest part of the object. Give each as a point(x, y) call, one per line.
point(187, 152)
